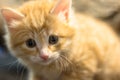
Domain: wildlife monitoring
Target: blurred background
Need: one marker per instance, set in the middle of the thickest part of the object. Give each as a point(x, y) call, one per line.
point(105, 10)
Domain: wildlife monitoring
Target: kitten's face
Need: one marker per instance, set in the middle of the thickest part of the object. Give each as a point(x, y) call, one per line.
point(42, 44)
point(36, 35)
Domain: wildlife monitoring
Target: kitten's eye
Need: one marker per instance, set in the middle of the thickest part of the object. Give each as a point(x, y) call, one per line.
point(53, 39)
point(30, 43)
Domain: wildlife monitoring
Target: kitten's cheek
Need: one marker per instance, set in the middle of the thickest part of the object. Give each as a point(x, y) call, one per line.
point(56, 55)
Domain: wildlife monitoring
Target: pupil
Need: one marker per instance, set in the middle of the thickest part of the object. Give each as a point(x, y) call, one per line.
point(30, 43)
point(53, 39)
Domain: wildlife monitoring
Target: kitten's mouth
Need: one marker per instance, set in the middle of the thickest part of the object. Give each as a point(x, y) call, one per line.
point(49, 60)
point(45, 61)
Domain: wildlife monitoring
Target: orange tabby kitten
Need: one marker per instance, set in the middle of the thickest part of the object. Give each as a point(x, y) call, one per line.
point(56, 44)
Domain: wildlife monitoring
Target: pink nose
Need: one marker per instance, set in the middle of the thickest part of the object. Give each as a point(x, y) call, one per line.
point(44, 56)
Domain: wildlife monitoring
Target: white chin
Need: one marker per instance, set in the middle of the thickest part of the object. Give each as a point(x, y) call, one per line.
point(46, 62)
point(40, 61)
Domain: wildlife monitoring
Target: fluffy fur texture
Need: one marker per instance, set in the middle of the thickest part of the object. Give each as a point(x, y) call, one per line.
point(87, 49)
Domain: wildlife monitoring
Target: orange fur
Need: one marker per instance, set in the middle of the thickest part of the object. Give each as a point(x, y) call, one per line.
point(88, 48)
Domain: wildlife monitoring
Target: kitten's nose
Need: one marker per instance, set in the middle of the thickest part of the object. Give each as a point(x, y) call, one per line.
point(44, 56)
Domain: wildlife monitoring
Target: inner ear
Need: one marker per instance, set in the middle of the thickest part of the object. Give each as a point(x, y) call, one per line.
point(10, 14)
point(62, 9)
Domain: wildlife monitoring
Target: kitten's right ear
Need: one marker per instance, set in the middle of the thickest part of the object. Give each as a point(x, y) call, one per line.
point(9, 15)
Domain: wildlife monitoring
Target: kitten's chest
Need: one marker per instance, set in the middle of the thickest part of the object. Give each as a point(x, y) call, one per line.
point(50, 75)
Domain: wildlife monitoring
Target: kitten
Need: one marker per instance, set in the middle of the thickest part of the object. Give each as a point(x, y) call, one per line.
point(56, 44)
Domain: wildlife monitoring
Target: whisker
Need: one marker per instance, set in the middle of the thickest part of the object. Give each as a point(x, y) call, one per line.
point(58, 66)
point(8, 64)
point(12, 64)
point(61, 63)
point(22, 73)
point(66, 63)
point(66, 59)
point(18, 66)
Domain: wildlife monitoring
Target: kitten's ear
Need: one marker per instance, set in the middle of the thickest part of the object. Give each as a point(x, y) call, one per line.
point(9, 15)
point(62, 9)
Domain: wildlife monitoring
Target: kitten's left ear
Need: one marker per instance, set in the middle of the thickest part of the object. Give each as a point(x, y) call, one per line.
point(9, 15)
point(62, 9)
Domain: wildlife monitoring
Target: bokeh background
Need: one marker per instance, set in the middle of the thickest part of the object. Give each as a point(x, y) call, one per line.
point(105, 10)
